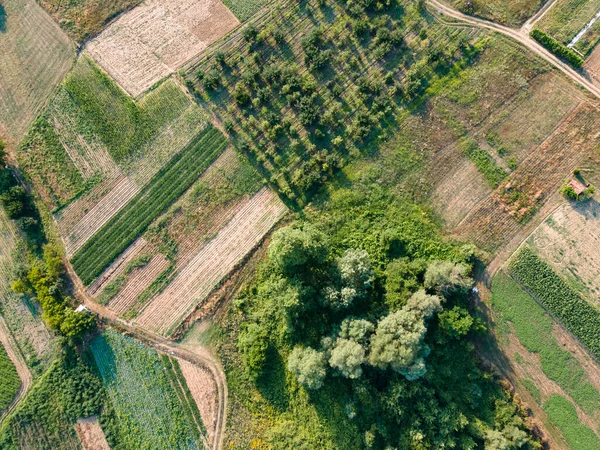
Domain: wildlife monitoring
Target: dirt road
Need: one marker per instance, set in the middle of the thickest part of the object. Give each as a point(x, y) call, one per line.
point(15, 355)
point(521, 36)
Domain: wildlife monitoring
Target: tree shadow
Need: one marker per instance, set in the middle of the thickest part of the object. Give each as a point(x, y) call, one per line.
point(2, 19)
point(272, 383)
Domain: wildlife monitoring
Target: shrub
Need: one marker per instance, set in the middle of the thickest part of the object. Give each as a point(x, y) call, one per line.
point(557, 48)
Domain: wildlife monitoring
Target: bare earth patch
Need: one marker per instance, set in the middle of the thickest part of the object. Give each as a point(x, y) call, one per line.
point(204, 390)
point(214, 261)
point(592, 65)
point(156, 38)
point(91, 435)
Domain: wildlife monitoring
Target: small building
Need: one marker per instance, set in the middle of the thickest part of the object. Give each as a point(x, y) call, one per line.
point(82, 308)
point(578, 187)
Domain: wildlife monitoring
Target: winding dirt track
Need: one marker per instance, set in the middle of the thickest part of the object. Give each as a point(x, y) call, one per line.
point(521, 36)
point(15, 355)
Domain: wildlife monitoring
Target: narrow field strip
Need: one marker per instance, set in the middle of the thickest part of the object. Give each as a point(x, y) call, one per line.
point(104, 210)
point(164, 188)
point(91, 435)
point(195, 281)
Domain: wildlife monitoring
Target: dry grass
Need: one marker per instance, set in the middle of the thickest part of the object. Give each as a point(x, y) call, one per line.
point(91, 435)
point(508, 12)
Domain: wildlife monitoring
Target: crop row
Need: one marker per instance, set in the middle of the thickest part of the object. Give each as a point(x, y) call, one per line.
point(577, 315)
point(10, 380)
point(162, 190)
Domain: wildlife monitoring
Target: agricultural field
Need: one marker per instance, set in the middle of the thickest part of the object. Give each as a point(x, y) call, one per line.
point(508, 12)
point(567, 18)
point(245, 9)
point(152, 403)
point(34, 57)
point(10, 380)
point(154, 39)
point(85, 19)
point(549, 363)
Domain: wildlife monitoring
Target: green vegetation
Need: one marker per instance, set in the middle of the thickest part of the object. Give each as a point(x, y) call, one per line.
point(245, 9)
point(589, 40)
point(299, 108)
point(533, 327)
point(115, 285)
point(557, 48)
point(533, 390)
point(508, 12)
point(576, 314)
point(10, 380)
point(66, 392)
point(566, 18)
point(138, 382)
point(492, 173)
point(84, 19)
point(563, 414)
point(164, 188)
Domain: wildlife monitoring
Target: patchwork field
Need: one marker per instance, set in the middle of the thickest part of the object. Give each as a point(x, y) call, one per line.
point(84, 19)
point(34, 56)
point(154, 39)
point(153, 405)
point(508, 12)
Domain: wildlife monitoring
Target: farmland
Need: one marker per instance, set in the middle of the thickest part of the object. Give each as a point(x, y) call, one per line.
point(10, 380)
point(164, 188)
point(153, 40)
point(147, 405)
point(34, 56)
point(84, 19)
point(511, 12)
point(245, 9)
point(567, 18)
point(562, 413)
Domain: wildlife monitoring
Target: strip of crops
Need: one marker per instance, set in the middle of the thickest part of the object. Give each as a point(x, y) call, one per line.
point(149, 412)
point(164, 188)
point(10, 380)
point(564, 415)
point(580, 318)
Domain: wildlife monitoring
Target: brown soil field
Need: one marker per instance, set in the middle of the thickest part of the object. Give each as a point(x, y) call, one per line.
point(569, 240)
point(199, 277)
point(35, 55)
point(494, 221)
point(91, 435)
point(156, 38)
point(592, 65)
point(204, 390)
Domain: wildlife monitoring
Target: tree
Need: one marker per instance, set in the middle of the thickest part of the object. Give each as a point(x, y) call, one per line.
point(2, 150)
point(457, 322)
point(347, 357)
point(14, 202)
point(446, 277)
point(309, 367)
point(404, 277)
point(398, 342)
point(76, 324)
point(356, 270)
point(253, 343)
point(293, 248)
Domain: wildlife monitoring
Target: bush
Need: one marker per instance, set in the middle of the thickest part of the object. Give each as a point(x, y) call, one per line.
point(564, 53)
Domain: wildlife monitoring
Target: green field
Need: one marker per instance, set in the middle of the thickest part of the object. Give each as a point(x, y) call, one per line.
point(10, 380)
point(508, 12)
point(562, 414)
point(150, 413)
point(533, 327)
point(34, 56)
point(567, 18)
point(299, 108)
point(164, 188)
point(85, 18)
point(245, 9)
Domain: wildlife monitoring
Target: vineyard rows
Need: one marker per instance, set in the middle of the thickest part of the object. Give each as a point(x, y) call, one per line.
point(148, 409)
point(576, 314)
point(199, 277)
point(164, 188)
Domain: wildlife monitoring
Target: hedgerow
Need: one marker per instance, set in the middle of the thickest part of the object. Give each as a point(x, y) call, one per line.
point(558, 298)
point(557, 48)
point(164, 188)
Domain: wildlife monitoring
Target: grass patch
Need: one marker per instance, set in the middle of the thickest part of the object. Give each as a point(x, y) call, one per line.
point(492, 173)
point(10, 380)
point(563, 414)
point(577, 315)
point(244, 9)
point(533, 327)
point(164, 188)
point(533, 390)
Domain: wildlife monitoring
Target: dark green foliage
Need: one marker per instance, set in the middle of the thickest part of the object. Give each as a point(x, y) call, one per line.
point(558, 297)
point(10, 380)
point(164, 188)
point(557, 48)
point(15, 202)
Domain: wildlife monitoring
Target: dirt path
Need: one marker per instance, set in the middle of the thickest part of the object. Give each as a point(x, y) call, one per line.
point(15, 355)
point(201, 356)
point(528, 26)
point(520, 36)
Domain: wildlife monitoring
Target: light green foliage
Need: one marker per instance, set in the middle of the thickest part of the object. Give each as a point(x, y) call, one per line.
point(253, 344)
point(293, 248)
point(138, 384)
point(347, 356)
point(533, 390)
point(10, 380)
point(403, 278)
point(533, 327)
point(457, 322)
point(244, 9)
point(355, 269)
point(492, 173)
point(563, 414)
point(398, 342)
point(446, 277)
point(309, 367)
point(164, 188)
